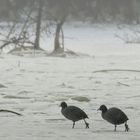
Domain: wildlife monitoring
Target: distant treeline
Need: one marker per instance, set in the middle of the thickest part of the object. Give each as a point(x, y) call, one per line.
point(126, 11)
point(117, 10)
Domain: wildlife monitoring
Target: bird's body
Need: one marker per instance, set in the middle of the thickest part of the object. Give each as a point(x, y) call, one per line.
point(114, 116)
point(73, 113)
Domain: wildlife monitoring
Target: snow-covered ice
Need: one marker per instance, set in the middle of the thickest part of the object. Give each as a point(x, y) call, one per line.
point(35, 86)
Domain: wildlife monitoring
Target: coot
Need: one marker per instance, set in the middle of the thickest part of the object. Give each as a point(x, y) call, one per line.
point(114, 116)
point(73, 113)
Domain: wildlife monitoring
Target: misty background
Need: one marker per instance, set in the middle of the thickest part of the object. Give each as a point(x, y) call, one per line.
point(22, 22)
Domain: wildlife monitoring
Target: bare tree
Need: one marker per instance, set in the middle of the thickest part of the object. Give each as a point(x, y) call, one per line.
point(38, 24)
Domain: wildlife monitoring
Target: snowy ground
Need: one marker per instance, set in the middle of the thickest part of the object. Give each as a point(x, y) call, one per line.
point(35, 86)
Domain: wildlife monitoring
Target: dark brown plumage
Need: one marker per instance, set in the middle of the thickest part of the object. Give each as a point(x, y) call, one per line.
point(73, 113)
point(114, 116)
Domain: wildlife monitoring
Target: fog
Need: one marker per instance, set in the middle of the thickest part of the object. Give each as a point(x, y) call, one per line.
point(81, 52)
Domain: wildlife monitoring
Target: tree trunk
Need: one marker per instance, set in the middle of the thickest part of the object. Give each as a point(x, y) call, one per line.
point(38, 25)
point(57, 46)
point(130, 11)
point(62, 38)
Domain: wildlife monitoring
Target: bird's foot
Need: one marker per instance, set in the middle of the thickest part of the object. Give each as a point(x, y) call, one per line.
point(126, 128)
point(87, 125)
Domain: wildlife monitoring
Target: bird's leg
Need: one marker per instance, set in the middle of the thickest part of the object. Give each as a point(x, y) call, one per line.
point(73, 124)
point(115, 127)
point(87, 124)
point(126, 127)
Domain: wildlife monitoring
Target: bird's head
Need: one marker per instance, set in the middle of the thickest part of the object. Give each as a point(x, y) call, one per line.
point(63, 104)
point(103, 108)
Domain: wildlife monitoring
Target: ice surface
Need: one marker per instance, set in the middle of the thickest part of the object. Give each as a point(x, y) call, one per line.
point(36, 87)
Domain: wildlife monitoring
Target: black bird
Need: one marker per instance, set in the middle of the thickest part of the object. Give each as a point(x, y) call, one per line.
point(73, 113)
point(114, 116)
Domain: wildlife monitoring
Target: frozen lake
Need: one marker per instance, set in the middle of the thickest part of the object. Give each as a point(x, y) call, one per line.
point(35, 86)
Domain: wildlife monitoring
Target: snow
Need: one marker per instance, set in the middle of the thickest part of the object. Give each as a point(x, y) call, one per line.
point(35, 86)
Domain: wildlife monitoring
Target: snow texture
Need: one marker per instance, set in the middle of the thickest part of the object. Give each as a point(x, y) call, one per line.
point(35, 86)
